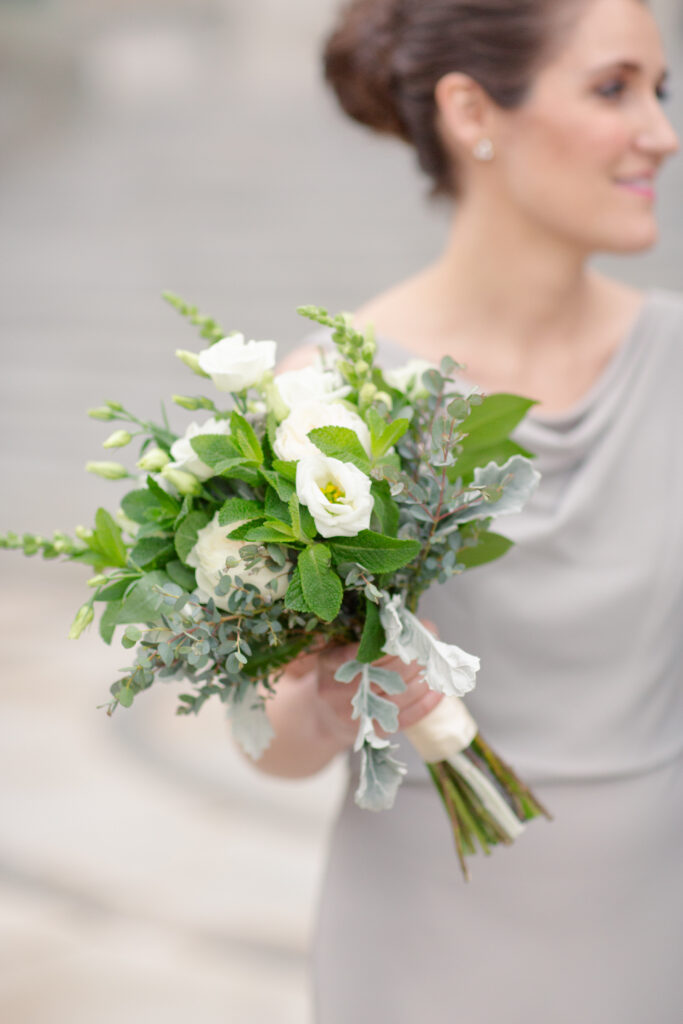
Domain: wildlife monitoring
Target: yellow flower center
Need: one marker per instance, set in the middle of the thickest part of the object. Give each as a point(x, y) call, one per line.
point(333, 493)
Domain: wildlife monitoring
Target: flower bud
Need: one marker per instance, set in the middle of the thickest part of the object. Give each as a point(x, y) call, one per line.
point(361, 367)
point(107, 470)
point(84, 617)
point(84, 534)
point(368, 393)
point(153, 460)
point(369, 349)
point(101, 413)
point(185, 402)
point(98, 581)
point(119, 439)
point(116, 406)
point(183, 482)
point(191, 359)
point(382, 396)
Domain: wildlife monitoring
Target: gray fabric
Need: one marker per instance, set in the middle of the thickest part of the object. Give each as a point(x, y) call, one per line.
point(581, 688)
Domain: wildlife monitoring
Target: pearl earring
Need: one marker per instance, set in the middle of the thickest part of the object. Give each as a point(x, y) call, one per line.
point(484, 150)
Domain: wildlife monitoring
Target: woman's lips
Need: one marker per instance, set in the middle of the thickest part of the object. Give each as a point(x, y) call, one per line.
point(640, 187)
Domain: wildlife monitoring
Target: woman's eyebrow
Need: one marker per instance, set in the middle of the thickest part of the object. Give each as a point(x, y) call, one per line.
point(630, 65)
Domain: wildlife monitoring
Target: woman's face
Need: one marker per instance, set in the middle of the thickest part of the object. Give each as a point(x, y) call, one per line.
point(591, 123)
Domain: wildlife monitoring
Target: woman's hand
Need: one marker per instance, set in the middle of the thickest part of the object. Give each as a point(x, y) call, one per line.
point(335, 698)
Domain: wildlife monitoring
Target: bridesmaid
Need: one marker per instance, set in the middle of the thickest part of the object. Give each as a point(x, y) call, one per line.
point(541, 121)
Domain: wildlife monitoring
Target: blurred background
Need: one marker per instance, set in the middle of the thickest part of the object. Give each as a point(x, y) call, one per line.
point(146, 872)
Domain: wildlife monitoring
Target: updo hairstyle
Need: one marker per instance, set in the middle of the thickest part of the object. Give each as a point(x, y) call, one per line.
point(384, 58)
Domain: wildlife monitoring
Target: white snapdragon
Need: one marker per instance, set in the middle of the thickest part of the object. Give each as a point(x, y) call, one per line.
point(184, 455)
point(214, 554)
point(337, 494)
point(291, 437)
point(235, 364)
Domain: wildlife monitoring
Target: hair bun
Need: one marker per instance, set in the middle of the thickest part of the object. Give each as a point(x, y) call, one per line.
point(358, 64)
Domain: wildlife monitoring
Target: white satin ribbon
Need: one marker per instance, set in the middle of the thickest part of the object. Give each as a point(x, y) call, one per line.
point(446, 731)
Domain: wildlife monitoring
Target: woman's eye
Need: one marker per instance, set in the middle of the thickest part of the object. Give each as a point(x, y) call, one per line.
point(615, 89)
point(612, 89)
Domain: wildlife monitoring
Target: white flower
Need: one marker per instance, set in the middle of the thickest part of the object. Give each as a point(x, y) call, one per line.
point(337, 495)
point(186, 459)
point(297, 387)
point(448, 669)
point(208, 558)
point(235, 364)
point(291, 440)
point(408, 377)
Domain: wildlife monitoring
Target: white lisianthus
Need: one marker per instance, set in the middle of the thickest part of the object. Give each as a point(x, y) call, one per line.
point(184, 455)
point(297, 387)
point(408, 377)
point(214, 554)
point(235, 364)
point(291, 437)
point(337, 494)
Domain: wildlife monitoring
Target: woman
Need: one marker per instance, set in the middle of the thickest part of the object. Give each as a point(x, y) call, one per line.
point(543, 119)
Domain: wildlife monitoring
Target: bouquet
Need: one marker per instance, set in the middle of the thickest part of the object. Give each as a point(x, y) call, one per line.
point(316, 509)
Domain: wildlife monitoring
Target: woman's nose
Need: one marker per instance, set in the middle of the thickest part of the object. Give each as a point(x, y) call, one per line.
point(658, 134)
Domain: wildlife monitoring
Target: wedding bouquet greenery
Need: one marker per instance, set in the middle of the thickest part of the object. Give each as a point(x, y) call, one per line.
point(316, 510)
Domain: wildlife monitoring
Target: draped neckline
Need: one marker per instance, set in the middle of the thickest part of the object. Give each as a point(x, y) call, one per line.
point(561, 439)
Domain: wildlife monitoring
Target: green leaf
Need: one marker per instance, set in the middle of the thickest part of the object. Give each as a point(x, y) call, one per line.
point(282, 486)
point(392, 433)
point(303, 524)
point(286, 469)
point(241, 532)
point(373, 638)
point(496, 418)
point(109, 620)
point(275, 507)
point(490, 547)
point(186, 534)
point(215, 449)
point(131, 635)
point(375, 551)
point(152, 552)
point(182, 575)
point(270, 533)
point(236, 510)
point(137, 504)
point(474, 457)
point(108, 538)
point(340, 443)
point(246, 438)
point(294, 598)
point(143, 603)
point(386, 512)
point(168, 503)
point(116, 590)
point(322, 587)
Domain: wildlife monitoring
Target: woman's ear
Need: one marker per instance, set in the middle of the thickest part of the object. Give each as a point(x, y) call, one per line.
point(464, 111)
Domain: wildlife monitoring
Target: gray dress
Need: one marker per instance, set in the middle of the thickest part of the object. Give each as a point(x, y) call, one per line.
point(580, 634)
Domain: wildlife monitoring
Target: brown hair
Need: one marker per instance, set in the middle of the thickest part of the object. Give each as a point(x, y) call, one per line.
point(385, 57)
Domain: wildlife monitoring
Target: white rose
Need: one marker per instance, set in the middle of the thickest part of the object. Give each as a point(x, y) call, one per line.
point(208, 558)
point(337, 494)
point(291, 440)
point(186, 459)
point(296, 387)
point(408, 378)
point(235, 364)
